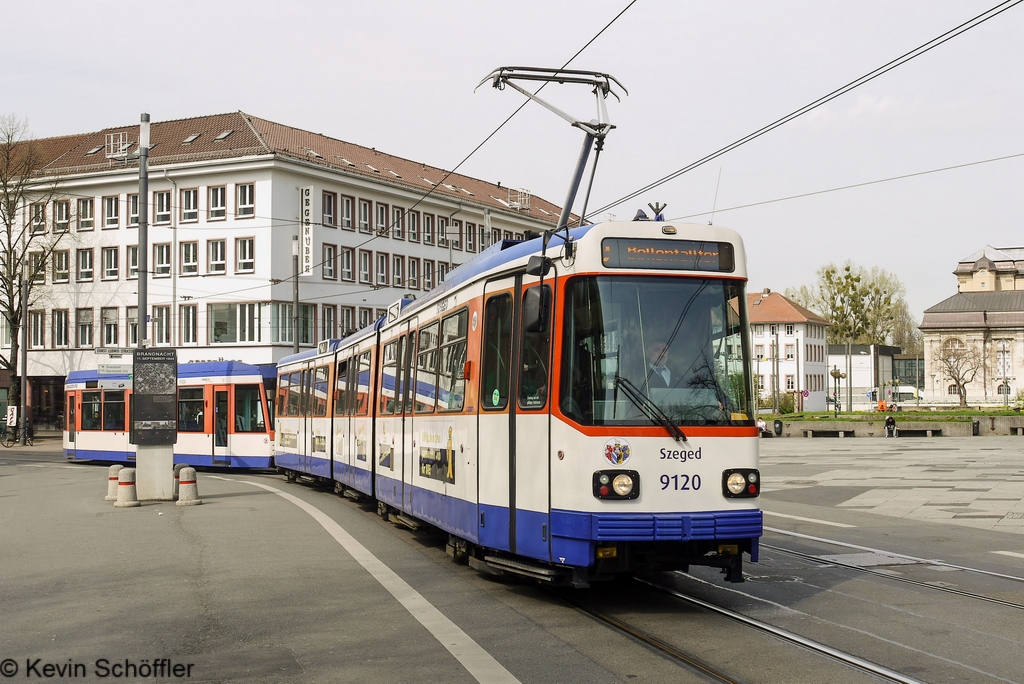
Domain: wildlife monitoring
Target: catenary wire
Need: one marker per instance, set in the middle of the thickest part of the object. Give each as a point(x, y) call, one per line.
point(871, 75)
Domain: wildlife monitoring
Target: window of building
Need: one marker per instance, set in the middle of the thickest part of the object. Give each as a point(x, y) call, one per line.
point(61, 266)
point(789, 329)
point(346, 213)
point(953, 390)
point(398, 271)
point(249, 322)
point(412, 220)
point(329, 262)
point(397, 223)
point(1002, 389)
point(132, 317)
point(365, 273)
point(36, 329)
point(382, 268)
point(790, 382)
point(37, 267)
point(60, 327)
point(760, 383)
point(470, 237)
point(162, 203)
point(38, 217)
point(246, 200)
point(245, 255)
point(189, 324)
point(83, 319)
point(330, 201)
point(365, 317)
point(790, 352)
point(442, 271)
point(217, 263)
point(61, 216)
point(110, 212)
point(85, 214)
point(414, 273)
point(428, 229)
point(364, 216)
point(307, 323)
point(348, 320)
point(442, 231)
point(346, 264)
point(428, 274)
point(133, 211)
point(189, 205)
point(84, 264)
point(218, 203)
point(189, 258)
point(162, 259)
point(111, 263)
point(330, 322)
point(382, 220)
point(161, 325)
point(455, 234)
point(281, 322)
point(758, 351)
point(773, 329)
point(133, 261)
point(108, 318)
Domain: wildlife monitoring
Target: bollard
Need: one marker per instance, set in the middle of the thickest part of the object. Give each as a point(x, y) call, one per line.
point(188, 490)
point(126, 495)
point(177, 471)
point(112, 472)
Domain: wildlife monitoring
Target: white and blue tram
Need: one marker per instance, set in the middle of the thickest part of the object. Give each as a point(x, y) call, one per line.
point(566, 419)
point(223, 410)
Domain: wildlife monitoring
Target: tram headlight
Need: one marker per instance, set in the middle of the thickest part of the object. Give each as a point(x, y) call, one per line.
point(616, 484)
point(741, 483)
point(622, 484)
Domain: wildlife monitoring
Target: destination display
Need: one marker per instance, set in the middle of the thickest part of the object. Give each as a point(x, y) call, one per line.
point(674, 255)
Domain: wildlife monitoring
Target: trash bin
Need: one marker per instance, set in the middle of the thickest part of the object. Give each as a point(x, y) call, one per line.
point(778, 428)
point(975, 427)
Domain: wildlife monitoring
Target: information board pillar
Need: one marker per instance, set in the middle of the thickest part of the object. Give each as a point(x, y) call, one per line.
point(154, 422)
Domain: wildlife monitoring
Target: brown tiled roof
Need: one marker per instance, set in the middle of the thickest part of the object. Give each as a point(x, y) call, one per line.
point(774, 308)
point(251, 136)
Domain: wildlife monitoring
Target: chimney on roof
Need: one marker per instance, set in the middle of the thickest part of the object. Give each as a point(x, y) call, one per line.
point(765, 292)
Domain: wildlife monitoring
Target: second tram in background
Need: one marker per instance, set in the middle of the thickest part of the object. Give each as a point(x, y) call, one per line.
point(223, 415)
point(567, 418)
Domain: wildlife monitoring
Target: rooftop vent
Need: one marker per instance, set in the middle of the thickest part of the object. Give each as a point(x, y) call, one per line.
point(225, 134)
point(346, 161)
point(191, 139)
point(117, 145)
point(313, 153)
point(94, 150)
point(427, 180)
point(371, 168)
point(519, 199)
point(396, 175)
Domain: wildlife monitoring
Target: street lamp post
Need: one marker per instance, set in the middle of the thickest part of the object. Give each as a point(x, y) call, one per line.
point(836, 375)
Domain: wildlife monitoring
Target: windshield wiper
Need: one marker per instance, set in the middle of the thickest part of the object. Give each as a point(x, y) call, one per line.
point(650, 409)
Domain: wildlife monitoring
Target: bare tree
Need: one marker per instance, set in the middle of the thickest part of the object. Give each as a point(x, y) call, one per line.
point(960, 363)
point(27, 239)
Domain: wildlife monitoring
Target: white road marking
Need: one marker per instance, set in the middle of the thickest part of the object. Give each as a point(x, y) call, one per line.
point(480, 664)
point(1010, 553)
point(810, 520)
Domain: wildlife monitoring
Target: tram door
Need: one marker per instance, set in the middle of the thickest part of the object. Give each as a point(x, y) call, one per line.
point(221, 420)
point(514, 473)
point(70, 417)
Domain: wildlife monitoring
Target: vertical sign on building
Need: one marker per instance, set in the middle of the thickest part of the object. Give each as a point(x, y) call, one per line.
point(306, 237)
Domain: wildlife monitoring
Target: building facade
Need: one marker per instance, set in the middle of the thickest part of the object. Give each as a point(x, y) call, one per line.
point(979, 331)
point(790, 351)
point(228, 196)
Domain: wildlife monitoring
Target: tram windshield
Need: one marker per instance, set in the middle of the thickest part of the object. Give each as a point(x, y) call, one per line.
point(637, 349)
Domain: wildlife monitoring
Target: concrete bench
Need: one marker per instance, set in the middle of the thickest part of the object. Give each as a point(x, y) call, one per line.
point(829, 433)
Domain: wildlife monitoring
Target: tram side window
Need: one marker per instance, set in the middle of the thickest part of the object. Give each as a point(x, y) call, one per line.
point(533, 378)
point(294, 393)
point(283, 383)
point(497, 352)
point(91, 407)
point(363, 385)
point(190, 409)
point(320, 389)
point(426, 369)
point(389, 369)
point(404, 376)
point(451, 386)
point(249, 409)
point(341, 388)
point(113, 410)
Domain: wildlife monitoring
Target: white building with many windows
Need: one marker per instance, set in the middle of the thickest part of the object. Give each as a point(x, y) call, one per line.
point(227, 195)
point(790, 352)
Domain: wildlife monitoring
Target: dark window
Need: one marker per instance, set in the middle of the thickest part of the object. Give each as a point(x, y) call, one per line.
point(249, 409)
point(451, 386)
point(341, 388)
point(91, 407)
point(320, 391)
point(497, 352)
point(190, 409)
point(426, 369)
point(113, 410)
point(533, 379)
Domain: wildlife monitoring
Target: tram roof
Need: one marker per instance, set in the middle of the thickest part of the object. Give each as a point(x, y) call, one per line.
point(201, 369)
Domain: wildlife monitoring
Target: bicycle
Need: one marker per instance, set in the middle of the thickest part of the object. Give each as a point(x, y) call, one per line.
point(9, 436)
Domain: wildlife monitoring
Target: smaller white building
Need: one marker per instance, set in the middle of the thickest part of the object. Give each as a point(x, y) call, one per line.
point(790, 352)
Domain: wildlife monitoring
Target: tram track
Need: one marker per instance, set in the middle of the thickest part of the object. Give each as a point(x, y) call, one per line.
point(895, 577)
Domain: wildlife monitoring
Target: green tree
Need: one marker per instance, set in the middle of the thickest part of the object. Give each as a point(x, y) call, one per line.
point(863, 305)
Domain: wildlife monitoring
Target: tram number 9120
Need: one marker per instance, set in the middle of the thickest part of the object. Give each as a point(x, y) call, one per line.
point(680, 482)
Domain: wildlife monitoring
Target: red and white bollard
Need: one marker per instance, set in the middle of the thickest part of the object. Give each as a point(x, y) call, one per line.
point(188, 490)
point(177, 477)
point(112, 472)
point(126, 494)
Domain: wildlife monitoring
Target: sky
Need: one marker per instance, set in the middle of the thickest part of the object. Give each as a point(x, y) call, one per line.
point(400, 76)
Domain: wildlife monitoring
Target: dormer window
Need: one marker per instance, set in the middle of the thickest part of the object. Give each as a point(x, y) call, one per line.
point(191, 139)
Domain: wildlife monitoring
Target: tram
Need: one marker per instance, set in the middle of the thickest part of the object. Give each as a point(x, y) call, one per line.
point(223, 409)
point(565, 418)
